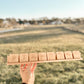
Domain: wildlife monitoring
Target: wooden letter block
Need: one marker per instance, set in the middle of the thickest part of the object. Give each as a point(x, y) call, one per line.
point(68, 55)
point(76, 54)
point(42, 57)
point(51, 56)
point(13, 58)
point(60, 55)
point(23, 57)
point(33, 57)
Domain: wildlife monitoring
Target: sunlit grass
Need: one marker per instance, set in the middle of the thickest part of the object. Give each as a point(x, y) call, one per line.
point(43, 39)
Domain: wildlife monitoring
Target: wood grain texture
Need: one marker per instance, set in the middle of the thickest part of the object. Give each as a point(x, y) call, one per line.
point(60, 55)
point(43, 57)
point(13, 58)
point(76, 54)
point(23, 57)
point(51, 55)
point(44, 61)
point(33, 57)
point(68, 55)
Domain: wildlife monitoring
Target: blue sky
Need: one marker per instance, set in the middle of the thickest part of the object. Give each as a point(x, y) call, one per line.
point(27, 9)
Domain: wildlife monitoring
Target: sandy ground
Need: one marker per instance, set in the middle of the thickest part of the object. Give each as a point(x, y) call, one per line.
point(9, 30)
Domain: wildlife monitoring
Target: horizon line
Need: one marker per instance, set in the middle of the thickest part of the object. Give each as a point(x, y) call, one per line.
point(41, 17)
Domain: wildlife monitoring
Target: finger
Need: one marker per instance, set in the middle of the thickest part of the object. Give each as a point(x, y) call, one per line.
point(34, 67)
point(31, 65)
point(25, 66)
point(28, 66)
point(21, 66)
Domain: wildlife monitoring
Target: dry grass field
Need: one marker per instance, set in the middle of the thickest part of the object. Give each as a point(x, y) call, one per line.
point(41, 39)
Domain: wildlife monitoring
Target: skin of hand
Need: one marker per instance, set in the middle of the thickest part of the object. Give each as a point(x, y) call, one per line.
point(27, 72)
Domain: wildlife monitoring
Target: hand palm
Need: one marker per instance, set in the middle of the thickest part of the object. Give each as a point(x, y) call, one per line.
point(27, 73)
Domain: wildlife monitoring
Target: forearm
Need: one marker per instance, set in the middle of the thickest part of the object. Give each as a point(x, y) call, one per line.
point(30, 81)
point(27, 74)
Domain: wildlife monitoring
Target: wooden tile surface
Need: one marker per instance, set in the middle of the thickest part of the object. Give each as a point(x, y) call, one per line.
point(60, 55)
point(42, 57)
point(33, 57)
point(51, 56)
point(23, 57)
point(76, 54)
point(13, 58)
point(68, 55)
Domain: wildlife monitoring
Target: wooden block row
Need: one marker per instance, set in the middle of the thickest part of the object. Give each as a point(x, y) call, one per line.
point(42, 57)
point(49, 56)
point(68, 55)
point(33, 57)
point(76, 54)
point(23, 58)
point(12, 58)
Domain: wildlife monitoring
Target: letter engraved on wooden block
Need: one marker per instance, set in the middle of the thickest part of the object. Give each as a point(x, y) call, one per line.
point(33, 57)
point(68, 55)
point(60, 55)
point(13, 58)
point(51, 56)
point(23, 57)
point(76, 54)
point(42, 57)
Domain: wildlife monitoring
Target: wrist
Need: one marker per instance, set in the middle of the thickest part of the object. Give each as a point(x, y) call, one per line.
point(24, 81)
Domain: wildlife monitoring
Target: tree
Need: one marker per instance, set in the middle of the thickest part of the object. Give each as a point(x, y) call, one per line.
point(69, 21)
point(20, 21)
point(1, 22)
point(78, 20)
point(25, 21)
point(13, 21)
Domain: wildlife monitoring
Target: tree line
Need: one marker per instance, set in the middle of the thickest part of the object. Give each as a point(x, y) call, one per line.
point(45, 21)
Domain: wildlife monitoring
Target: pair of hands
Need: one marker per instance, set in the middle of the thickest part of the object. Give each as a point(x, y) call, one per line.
point(27, 72)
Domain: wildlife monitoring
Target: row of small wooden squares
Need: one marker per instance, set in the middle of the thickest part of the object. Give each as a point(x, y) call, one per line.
point(31, 57)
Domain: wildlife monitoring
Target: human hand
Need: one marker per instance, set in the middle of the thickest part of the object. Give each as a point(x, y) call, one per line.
point(27, 72)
